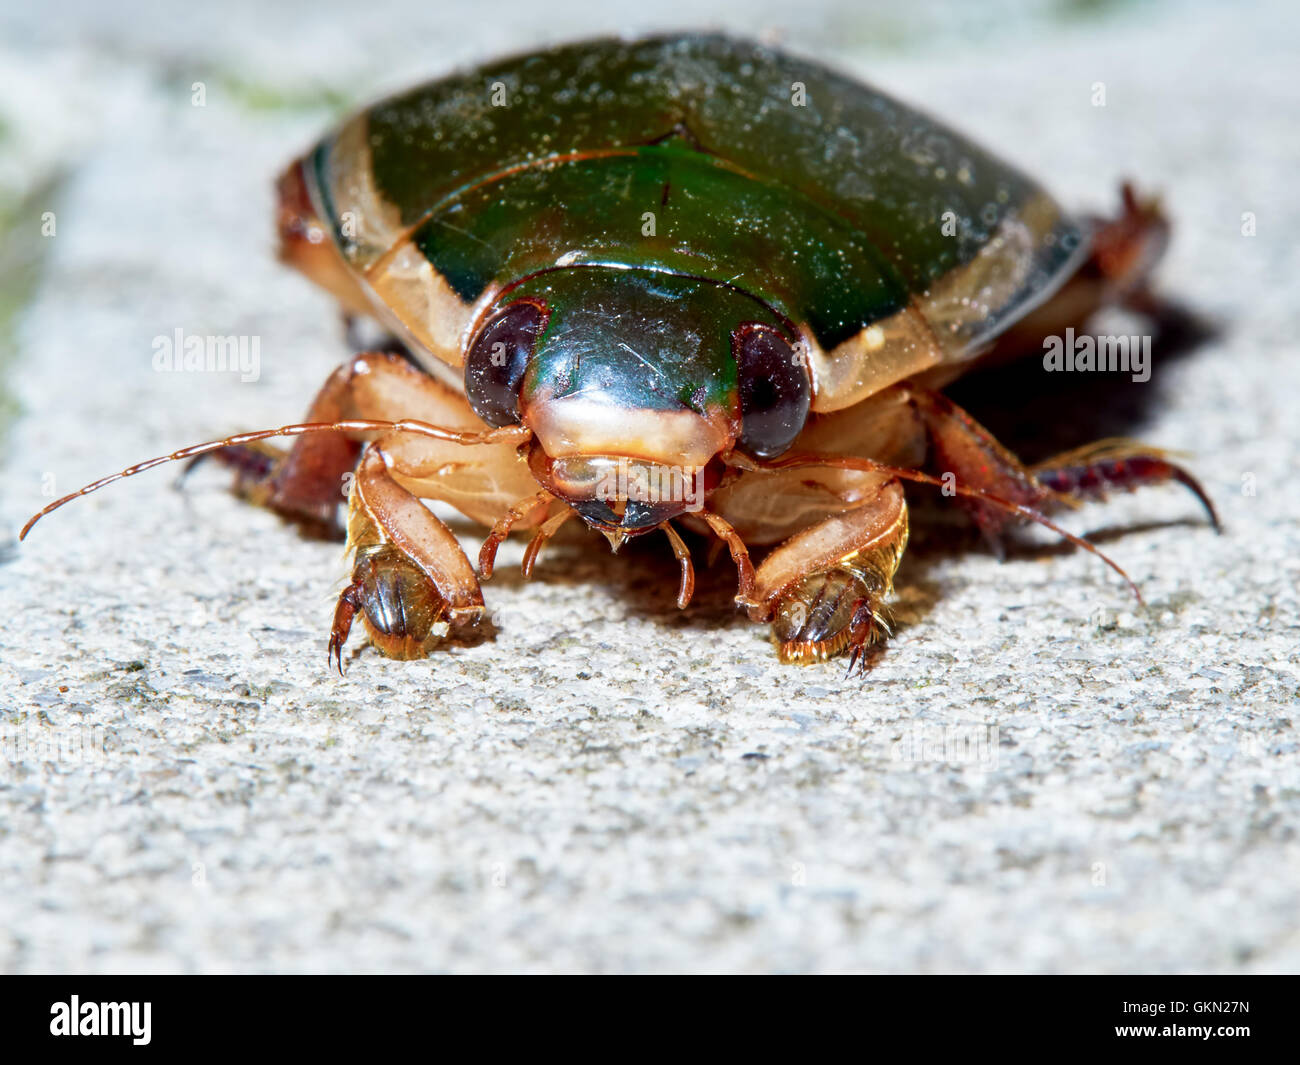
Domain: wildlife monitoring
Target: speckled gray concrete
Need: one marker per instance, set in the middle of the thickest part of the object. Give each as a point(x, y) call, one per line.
point(610, 785)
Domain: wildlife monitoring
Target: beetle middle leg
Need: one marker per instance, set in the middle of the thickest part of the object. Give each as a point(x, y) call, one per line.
point(304, 484)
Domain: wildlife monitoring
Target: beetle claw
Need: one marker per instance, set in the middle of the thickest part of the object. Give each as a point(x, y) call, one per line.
point(868, 627)
point(334, 654)
point(853, 661)
point(349, 602)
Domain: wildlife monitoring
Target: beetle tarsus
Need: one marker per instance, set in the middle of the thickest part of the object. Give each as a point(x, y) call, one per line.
point(348, 605)
point(739, 555)
point(822, 588)
point(255, 463)
point(1093, 472)
point(411, 581)
point(831, 612)
point(399, 606)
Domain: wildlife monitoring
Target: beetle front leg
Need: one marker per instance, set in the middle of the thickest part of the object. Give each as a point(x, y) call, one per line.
point(822, 589)
point(411, 581)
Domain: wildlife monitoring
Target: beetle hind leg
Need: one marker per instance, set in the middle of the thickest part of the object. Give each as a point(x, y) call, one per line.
point(254, 467)
point(963, 449)
point(1097, 470)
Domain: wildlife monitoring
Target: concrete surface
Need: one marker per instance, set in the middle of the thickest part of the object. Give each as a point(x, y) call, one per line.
point(1037, 776)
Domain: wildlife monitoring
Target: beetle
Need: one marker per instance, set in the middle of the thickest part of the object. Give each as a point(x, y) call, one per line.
point(678, 279)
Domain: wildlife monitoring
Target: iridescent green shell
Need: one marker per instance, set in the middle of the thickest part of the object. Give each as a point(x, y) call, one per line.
point(890, 242)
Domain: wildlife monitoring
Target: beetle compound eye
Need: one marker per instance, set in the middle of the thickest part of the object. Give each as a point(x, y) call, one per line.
point(498, 357)
point(775, 390)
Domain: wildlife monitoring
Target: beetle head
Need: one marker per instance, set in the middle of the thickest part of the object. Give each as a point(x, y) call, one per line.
point(636, 385)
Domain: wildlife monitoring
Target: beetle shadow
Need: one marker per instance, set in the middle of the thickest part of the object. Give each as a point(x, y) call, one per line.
point(1038, 414)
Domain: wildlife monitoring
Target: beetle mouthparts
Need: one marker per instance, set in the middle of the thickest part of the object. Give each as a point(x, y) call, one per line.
point(616, 537)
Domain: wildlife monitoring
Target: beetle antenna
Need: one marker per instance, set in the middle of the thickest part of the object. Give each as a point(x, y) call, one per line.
point(510, 434)
point(848, 463)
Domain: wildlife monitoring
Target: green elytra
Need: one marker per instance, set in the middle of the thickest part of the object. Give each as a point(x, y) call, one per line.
point(826, 202)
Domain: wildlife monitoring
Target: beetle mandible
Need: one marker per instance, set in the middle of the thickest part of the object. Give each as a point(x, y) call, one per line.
point(645, 282)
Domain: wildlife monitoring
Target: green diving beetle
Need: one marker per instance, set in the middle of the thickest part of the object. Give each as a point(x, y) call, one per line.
point(684, 279)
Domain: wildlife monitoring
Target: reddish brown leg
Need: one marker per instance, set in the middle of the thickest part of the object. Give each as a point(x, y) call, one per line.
point(400, 605)
point(306, 484)
point(1126, 248)
point(487, 556)
point(1093, 472)
point(255, 467)
point(350, 601)
point(544, 532)
point(686, 590)
point(739, 555)
point(964, 449)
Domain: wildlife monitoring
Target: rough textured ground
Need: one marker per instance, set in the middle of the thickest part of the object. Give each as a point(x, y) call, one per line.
point(609, 784)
